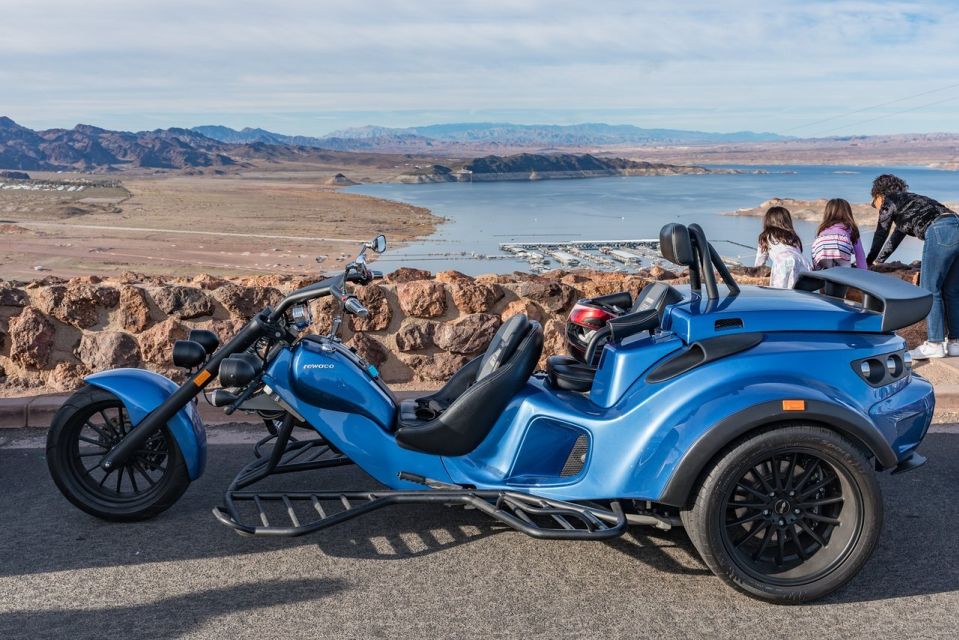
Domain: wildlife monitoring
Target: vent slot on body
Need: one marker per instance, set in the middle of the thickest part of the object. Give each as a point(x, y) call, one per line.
point(576, 458)
point(728, 323)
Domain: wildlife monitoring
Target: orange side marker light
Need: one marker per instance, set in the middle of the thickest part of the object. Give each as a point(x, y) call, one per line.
point(202, 377)
point(794, 405)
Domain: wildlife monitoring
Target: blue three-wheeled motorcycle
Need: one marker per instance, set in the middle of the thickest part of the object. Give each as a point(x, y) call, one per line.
point(756, 418)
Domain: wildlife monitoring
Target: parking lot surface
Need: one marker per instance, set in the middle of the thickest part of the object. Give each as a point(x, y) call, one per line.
point(436, 572)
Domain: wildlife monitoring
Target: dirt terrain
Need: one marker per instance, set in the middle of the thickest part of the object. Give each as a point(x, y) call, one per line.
point(933, 150)
point(272, 219)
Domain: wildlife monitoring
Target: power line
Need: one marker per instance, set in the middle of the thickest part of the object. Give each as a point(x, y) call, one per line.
point(887, 115)
point(869, 108)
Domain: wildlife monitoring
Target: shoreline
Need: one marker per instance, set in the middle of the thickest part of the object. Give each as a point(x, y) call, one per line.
point(176, 225)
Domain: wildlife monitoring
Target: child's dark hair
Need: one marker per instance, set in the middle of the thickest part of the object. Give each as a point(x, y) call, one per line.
point(886, 184)
point(778, 228)
point(838, 211)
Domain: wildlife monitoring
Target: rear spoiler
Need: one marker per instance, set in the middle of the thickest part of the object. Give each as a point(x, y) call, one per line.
point(900, 303)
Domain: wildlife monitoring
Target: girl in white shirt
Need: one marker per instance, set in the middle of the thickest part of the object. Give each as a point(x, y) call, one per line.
point(780, 244)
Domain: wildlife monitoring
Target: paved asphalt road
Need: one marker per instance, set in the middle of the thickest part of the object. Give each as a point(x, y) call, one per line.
point(437, 572)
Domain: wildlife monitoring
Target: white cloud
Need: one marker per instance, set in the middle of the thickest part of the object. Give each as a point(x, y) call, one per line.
point(721, 66)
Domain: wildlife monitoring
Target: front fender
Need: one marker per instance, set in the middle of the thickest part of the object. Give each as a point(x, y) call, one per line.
point(141, 391)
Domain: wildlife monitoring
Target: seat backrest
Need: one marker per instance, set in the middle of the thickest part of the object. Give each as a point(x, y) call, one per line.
point(503, 345)
point(469, 419)
point(656, 295)
point(675, 244)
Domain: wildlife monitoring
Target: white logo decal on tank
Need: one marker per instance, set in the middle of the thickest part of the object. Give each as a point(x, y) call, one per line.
point(318, 366)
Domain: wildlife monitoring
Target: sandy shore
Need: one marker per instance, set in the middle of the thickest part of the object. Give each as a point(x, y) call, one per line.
point(181, 225)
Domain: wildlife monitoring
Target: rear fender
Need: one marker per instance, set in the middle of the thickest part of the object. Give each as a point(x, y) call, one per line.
point(142, 391)
point(679, 488)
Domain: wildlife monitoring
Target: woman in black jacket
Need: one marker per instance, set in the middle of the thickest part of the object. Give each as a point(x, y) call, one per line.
point(938, 227)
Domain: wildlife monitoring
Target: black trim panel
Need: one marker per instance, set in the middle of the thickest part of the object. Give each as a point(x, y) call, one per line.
point(703, 352)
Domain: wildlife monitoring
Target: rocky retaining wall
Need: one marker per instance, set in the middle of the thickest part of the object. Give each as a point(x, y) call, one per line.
point(421, 327)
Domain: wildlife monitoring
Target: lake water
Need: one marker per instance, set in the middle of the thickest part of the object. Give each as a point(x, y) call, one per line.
point(483, 215)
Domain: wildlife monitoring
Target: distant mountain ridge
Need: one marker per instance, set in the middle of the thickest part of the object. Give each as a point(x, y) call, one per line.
point(87, 148)
point(486, 134)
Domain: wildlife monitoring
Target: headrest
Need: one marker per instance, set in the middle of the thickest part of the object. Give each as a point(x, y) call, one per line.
point(675, 245)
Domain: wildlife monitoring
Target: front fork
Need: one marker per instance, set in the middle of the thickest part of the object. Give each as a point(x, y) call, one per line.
point(258, 327)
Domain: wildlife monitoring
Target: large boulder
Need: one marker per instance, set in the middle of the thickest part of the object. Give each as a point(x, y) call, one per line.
point(77, 304)
point(66, 376)
point(552, 296)
point(475, 297)
point(11, 296)
point(414, 336)
point(323, 312)
point(407, 274)
point(183, 302)
point(523, 306)
point(245, 302)
point(449, 277)
point(422, 298)
point(133, 311)
point(208, 282)
point(469, 334)
point(369, 348)
point(31, 338)
point(381, 314)
point(156, 343)
point(438, 367)
point(554, 340)
point(107, 350)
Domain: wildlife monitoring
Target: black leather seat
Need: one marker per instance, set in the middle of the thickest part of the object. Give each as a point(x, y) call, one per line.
point(455, 419)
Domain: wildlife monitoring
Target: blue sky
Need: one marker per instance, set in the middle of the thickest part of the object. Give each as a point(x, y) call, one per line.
point(310, 67)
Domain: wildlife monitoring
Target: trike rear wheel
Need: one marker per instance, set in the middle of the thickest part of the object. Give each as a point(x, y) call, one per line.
point(788, 515)
point(85, 428)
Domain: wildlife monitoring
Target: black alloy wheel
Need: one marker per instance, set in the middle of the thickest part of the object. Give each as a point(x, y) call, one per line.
point(83, 431)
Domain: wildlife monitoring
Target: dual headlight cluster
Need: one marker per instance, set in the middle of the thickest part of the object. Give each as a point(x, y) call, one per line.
point(885, 369)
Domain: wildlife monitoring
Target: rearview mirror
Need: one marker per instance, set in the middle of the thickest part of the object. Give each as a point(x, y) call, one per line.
point(379, 244)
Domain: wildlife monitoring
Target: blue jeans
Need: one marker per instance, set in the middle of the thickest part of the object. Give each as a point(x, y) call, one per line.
point(940, 276)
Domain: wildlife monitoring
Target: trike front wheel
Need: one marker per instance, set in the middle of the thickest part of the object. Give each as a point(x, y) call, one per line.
point(85, 428)
point(788, 515)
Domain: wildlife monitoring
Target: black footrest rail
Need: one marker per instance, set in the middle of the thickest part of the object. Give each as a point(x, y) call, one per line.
point(296, 455)
point(306, 512)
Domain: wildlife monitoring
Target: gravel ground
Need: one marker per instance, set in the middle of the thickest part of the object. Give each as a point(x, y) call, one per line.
point(435, 572)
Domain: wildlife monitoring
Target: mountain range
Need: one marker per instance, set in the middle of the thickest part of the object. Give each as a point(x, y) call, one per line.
point(486, 135)
point(87, 148)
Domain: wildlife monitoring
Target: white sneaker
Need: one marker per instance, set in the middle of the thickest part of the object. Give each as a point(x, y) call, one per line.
point(952, 348)
point(930, 350)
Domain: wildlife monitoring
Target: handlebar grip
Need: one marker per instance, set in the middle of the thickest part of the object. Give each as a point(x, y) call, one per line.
point(356, 307)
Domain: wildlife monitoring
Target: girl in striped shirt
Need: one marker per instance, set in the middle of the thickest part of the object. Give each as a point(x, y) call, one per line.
point(837, 240)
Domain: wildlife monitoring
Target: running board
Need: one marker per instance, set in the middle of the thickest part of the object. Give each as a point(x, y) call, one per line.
point(307, 512)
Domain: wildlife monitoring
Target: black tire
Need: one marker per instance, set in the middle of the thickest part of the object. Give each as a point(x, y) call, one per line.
point(83, 430)
point(788, 514)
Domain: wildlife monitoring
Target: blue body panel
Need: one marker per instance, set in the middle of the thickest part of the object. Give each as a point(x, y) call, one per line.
point(637, 432)
point(334, 378)
point(142, 391)
point(637, 442)
point(765, 309)
point(364, 440)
